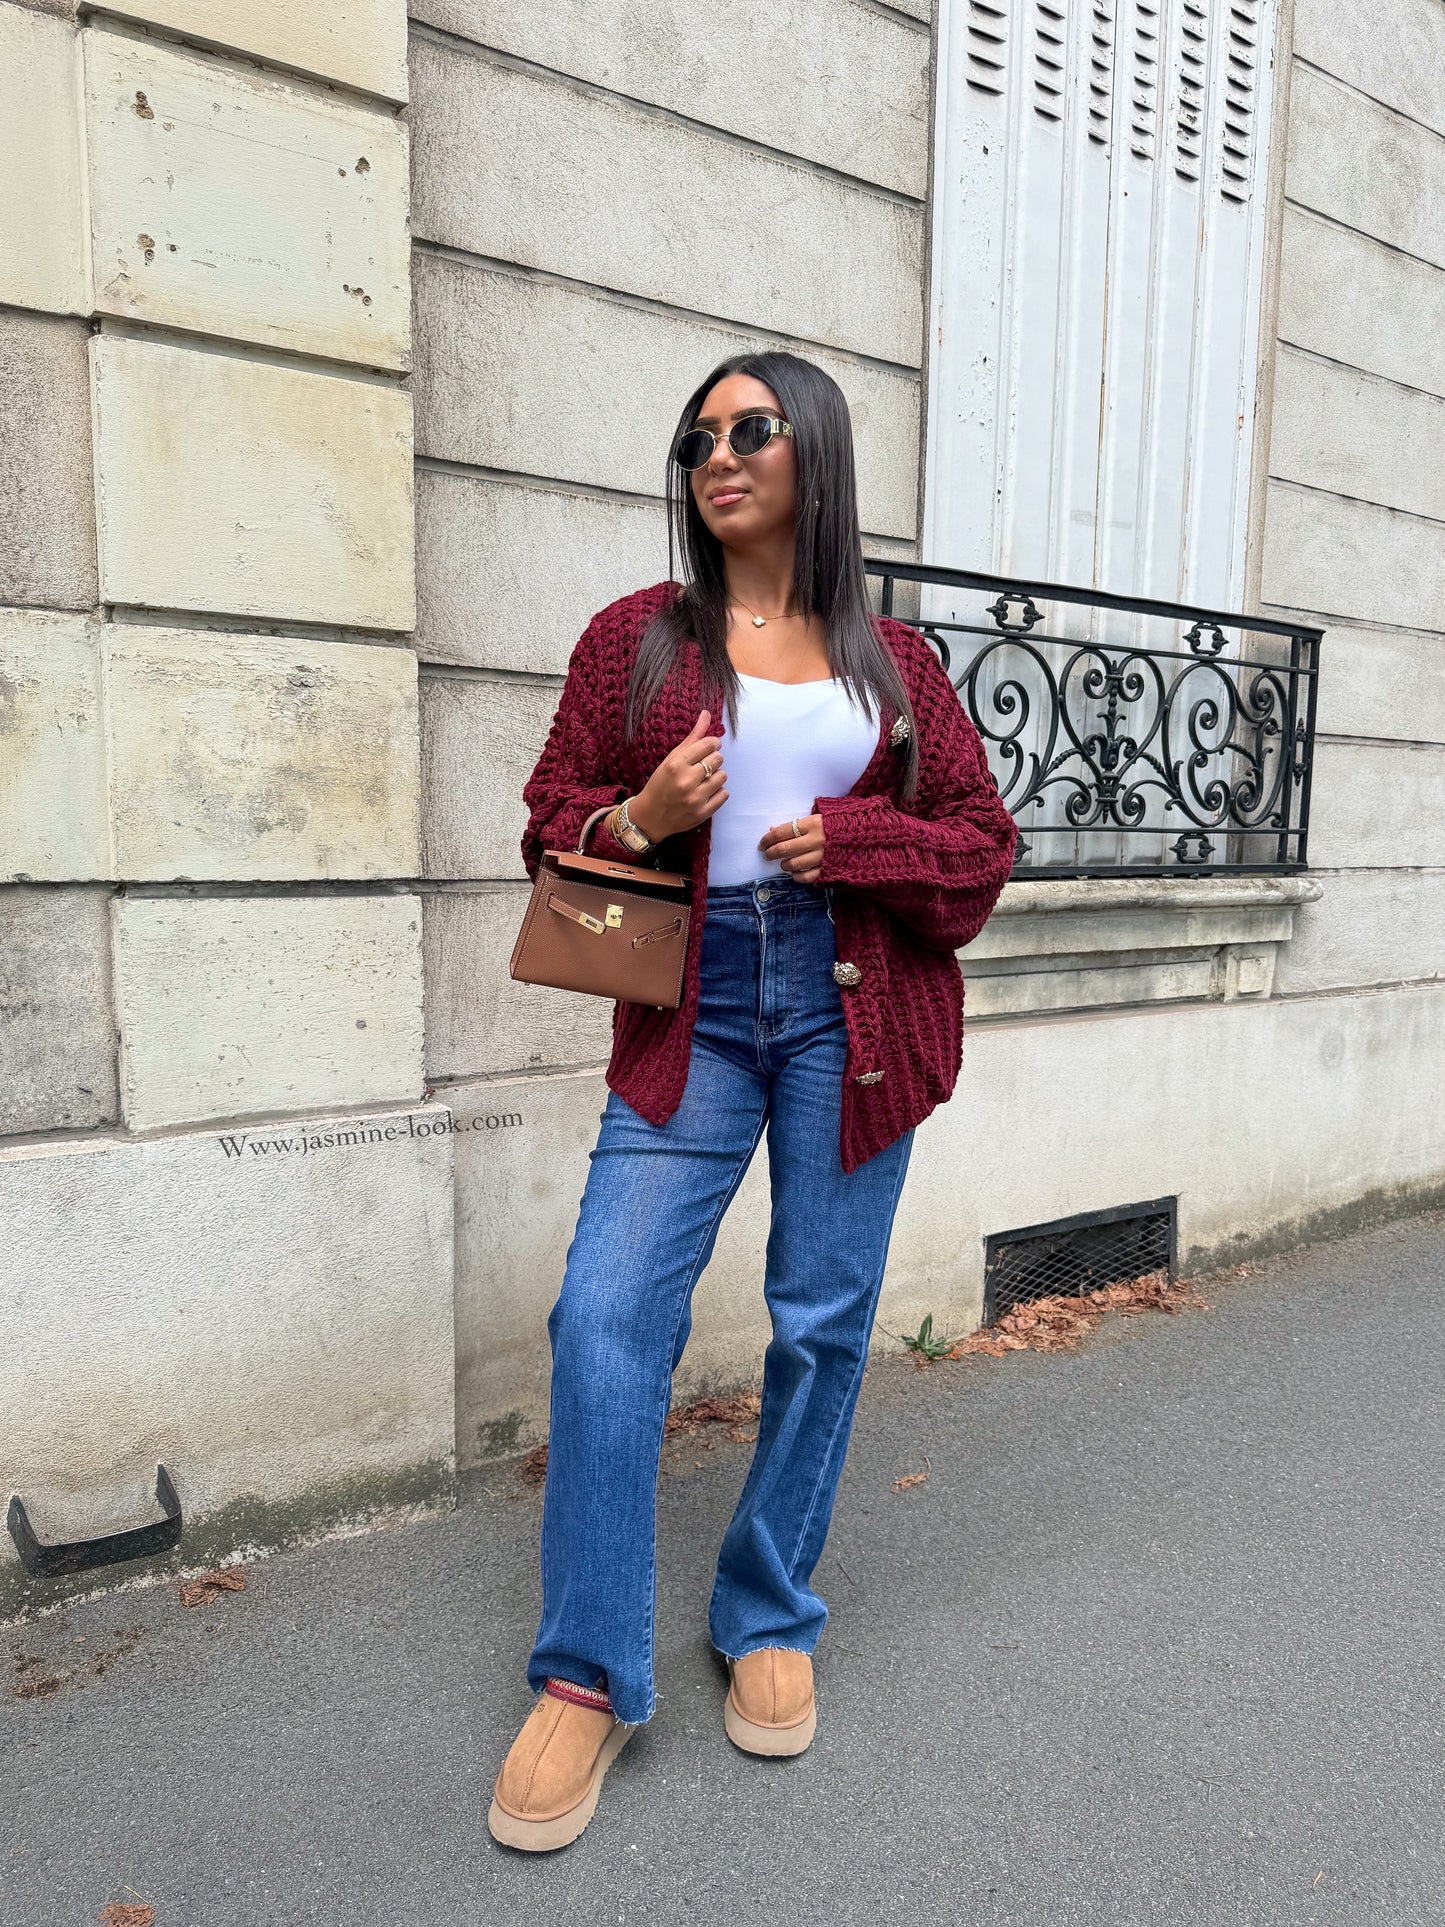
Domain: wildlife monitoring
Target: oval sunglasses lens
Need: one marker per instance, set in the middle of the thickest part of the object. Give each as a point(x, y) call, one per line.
point(752, 433)
point(694, 448)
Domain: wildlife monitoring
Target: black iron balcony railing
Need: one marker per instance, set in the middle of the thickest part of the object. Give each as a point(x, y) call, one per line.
point(1127, 736)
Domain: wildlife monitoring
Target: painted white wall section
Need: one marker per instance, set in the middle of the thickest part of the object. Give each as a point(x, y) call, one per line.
point(270, 1318)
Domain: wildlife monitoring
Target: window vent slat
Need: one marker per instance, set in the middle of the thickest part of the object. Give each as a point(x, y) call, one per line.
point(1101, 77)
point(1190, 73)
point(1241, 66)
point(1144, 80)
point(1050, 55)
point(986, 47)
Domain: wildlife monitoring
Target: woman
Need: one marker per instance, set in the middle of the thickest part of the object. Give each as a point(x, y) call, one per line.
point(844, 846)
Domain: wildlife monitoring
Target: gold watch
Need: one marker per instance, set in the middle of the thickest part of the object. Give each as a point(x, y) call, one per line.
point(627, 832)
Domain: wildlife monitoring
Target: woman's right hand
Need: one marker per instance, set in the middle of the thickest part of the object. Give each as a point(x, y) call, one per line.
point(679, 794)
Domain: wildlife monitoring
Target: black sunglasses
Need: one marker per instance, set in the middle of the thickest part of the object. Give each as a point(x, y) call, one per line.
point(749, 436)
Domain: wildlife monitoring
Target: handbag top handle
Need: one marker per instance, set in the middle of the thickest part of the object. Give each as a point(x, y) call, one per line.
point(585, 831)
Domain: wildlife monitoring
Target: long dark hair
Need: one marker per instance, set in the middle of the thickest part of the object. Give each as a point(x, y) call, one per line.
point(828, 578)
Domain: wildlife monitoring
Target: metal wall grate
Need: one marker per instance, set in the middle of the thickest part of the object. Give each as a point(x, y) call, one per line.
point(1074, 1256)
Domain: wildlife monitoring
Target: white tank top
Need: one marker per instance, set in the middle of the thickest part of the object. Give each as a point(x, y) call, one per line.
point(794, 741)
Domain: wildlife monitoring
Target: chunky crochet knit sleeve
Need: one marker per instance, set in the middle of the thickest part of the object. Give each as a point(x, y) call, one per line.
point(571, 776)
point(939, 864)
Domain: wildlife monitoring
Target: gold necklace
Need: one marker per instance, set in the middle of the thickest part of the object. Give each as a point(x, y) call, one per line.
point(758, 621)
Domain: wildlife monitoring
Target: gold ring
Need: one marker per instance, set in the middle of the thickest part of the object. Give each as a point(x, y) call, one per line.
point(705, 763)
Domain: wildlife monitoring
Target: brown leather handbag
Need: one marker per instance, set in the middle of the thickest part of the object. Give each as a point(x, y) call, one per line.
point(607, 929)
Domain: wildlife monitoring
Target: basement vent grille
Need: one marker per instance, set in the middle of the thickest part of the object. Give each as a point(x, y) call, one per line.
point(1074, 1256)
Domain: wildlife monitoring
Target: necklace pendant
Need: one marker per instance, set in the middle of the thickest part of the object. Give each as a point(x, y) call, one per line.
point(758, 621)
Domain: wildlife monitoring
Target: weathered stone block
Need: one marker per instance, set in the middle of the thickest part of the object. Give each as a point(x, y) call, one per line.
point(249, 757)
point(252, 487)
point(57, 1029)
point(1354, 559)
point(273, 1325)
point(521, 166)
point(480, 742)
point(1369, 927)
point(1098, 942)
point(232, 1006)
point(239, 203)
point(52, 749)
point(1357, 434)
point(1365, 167)
point(478, 1020)
point(508, 575)
point(1400, 65)
point(1350, 297)
point(42, 256)
point(47, 502)
point(1377, 806)
point(1381, 682)
point(1034, 988)
point(596, 396)
point(855, 79)
point(361, 42)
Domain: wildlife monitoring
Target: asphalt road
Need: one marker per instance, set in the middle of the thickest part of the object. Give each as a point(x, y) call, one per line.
point(1159, 1640)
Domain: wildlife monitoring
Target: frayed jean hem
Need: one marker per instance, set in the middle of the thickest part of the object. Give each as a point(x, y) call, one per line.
point(765, 1646)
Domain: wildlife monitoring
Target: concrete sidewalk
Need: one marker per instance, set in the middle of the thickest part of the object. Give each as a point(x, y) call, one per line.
point(1160, 1640)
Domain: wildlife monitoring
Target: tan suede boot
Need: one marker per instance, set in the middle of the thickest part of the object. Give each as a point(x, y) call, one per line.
point(770, 1706)
point(547, 1789)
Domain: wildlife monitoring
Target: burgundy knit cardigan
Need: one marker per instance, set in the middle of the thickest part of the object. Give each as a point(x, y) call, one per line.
point(912, 883)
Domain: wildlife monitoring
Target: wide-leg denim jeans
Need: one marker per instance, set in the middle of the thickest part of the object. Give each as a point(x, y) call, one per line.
point(767, 1053)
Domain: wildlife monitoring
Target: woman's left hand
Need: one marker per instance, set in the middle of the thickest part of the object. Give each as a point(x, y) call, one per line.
point(801, 856)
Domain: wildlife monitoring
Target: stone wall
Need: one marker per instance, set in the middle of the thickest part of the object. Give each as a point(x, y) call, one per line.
point(1354, 515)
point(209, 782)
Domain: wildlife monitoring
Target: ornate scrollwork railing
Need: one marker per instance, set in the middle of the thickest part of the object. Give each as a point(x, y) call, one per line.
point(1158, 738)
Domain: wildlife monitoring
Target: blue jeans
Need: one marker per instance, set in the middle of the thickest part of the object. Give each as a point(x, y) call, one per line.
point(767, 1050)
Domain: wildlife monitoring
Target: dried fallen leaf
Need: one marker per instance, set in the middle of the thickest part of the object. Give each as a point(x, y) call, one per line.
point(712, 1411)
point(1059, 1323)
point(911, 1479)
point(734, 1413)
point(38, 1686)
point(120, 1913)
point(199, 1592)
